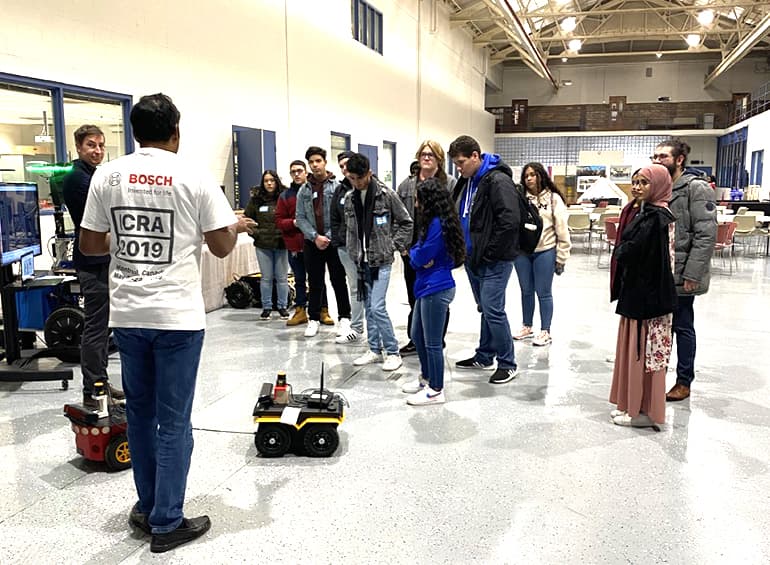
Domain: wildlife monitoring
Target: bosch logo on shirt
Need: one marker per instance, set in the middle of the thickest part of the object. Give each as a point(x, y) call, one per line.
point(143, 235)
point(155, 180)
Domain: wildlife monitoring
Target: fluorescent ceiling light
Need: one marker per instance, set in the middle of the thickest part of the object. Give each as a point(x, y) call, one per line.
point(568, 24)
point(575, 45)
point(658, 54)
point(566, 82)
point(564, 59)
point(706, 17)
point(693, 39)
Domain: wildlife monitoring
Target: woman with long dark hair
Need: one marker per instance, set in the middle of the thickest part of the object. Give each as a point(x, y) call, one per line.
point(271, 250)
point(535, 272)
point(644, 288)
point(439, 248)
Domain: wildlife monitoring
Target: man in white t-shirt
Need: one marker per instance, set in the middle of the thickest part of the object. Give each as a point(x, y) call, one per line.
point(152, 210)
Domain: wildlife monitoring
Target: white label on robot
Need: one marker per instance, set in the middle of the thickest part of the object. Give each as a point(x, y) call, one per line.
point(290, 415)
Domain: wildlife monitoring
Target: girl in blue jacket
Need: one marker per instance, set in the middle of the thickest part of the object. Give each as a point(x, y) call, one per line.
point(440, 248)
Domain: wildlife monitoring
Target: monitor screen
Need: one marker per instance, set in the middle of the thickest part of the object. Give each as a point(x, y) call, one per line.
point(19, 221)
point(27, 267)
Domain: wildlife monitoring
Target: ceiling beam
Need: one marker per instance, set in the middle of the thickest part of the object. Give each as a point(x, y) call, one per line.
point(739, 51)
point(666, 8)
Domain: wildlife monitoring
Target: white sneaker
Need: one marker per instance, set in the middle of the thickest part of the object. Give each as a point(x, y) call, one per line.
point(391, 362)
point(368, 357)
point(312, 328)
point(610, 358)
point(543, 338)
point(343, 327)
point(426, 396)
point(351, 336)
point(640, 421)
point(414, 386)
point(524, 333)
point(616, 413)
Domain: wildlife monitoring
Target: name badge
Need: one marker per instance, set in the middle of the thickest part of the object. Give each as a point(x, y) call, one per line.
point(315, 195)
point(263, 208)
point(381, 220)
point(342, 201)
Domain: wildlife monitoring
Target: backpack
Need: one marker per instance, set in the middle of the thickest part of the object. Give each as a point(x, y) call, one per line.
point(531, 224)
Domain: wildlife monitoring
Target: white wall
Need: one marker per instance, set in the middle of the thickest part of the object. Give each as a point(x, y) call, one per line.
point(290, 66)
point(594, 84)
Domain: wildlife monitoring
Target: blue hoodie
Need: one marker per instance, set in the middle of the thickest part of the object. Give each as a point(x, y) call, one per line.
point(438, 276)
point(488, 162)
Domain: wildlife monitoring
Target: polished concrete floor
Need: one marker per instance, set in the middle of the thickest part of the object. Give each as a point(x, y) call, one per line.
point(528, 472)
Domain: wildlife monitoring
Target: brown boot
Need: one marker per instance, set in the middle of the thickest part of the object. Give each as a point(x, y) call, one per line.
point(299, 317)
point(678, 392)
point(326, 320)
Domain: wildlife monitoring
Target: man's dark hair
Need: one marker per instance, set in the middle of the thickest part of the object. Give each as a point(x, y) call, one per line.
point(313, 150)
point(358, 164)
point(414, 168)
point(464, 145)
point(344, 155)
point(298, 162)
point(154, 118)
point(678, 147)
point(84, 131)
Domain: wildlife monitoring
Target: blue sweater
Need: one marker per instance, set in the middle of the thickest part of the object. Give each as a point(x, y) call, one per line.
point(438, 276)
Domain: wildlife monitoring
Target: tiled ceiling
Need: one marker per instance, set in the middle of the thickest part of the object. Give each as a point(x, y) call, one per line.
point(537, 32)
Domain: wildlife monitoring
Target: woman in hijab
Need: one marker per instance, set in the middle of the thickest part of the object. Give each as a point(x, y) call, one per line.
point(644, 287)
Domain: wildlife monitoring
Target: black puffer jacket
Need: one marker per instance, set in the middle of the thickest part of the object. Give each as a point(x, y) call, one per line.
point(261, 209)
point(644, 283)
point(494, 218)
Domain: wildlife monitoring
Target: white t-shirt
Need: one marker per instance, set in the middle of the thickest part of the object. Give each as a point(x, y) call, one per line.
point(156, 207)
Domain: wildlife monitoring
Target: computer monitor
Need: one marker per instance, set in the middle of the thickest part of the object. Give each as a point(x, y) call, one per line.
point(19, 221)
point(27, 267)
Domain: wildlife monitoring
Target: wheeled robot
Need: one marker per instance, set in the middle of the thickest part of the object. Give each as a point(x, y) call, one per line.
point(246, 291)
point(305, 423)
point(100, 435)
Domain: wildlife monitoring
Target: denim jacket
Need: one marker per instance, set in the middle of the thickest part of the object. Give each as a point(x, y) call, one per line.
point(305, 215)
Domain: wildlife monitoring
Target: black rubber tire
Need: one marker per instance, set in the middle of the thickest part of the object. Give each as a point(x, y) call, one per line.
point(117, 456)
point(320, 440)
point(239, 295)
point(272, 440)
point(63, 331)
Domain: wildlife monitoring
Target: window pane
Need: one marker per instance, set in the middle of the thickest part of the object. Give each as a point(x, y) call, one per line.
point(362, 22)
point(388, 163)
point(339, 143)
point(106, 115)
point(27, 148)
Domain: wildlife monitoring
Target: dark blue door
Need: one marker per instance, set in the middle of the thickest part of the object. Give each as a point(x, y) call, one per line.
point(253, 152)
point(371, 152)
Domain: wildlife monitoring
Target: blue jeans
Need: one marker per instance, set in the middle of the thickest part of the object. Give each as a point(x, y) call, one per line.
point(488, 284)
point(379, 328)
point(428, 332)
point(159, 371)
point(683, 324)
point(356, 306)
point(273, 264)
point(535, 273)
point(297, 262)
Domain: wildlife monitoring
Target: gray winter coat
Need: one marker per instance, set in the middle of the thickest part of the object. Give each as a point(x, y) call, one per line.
point(391, 227)
point(694, 207)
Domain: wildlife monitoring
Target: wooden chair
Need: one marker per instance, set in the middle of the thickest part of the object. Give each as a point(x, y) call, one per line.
point(610, 238)
point(580, 223)
point(724, 242)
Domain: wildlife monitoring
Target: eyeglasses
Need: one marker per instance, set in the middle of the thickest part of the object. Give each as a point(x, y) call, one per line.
point(426, 155)
point(297, 171)
point(659, 156)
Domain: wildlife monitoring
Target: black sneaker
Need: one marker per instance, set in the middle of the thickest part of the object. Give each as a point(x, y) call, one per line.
point(408, 349)
point(283, 313)
point(473, 364)
point(502, 376)
point(116, 394)
point(90, 402)
point(265, 315)
point(139, 520)
point(188, 530)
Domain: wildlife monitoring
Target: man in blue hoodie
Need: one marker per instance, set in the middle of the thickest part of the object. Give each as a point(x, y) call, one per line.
point(489, 214)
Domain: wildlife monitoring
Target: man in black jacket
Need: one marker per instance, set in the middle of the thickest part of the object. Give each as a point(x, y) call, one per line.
point(489, 214)
point(92, 271)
